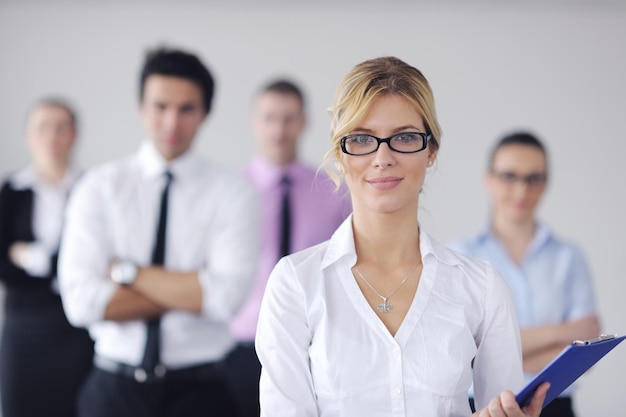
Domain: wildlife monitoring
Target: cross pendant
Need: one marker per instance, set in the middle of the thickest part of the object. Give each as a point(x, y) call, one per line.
point(384, 307)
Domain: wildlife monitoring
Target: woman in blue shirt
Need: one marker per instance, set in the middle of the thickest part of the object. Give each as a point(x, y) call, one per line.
point(549, 278)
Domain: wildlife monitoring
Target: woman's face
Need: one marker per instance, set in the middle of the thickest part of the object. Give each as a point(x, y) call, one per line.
point(50, 133)
point(517, 181)
point(387, 181)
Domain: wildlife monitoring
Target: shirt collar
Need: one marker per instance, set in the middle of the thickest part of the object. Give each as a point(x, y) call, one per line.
point(542, 235)
point(153, 165)
point(268, 174)
point(28, 178)
point(429, 246)
point(341, 245)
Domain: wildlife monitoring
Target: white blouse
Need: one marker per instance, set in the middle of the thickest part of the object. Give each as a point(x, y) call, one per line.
point(324, 351)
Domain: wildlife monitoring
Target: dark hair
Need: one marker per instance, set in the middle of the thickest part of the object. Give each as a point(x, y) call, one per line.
point(284, 86)
point(518, 138)
point(177, 63)
point(55, 102)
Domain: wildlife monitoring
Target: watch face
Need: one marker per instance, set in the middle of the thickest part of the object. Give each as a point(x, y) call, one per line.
point(125, 273)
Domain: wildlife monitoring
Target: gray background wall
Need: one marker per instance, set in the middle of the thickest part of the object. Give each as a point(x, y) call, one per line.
point(554, 67)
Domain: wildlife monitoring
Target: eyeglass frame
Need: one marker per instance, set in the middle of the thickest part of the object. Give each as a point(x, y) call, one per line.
point(426, 137)
point(534, 180)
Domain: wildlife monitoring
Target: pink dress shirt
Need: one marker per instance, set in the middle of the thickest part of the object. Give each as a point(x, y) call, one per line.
point(316, 212)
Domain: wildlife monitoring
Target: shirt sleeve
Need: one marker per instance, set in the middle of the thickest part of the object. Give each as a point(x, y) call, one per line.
point(232, 256)
point(498, 361)
point(85, 254)
point(282, 344)
point(581, 298)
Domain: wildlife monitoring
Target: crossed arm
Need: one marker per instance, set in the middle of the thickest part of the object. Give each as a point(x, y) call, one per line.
point(543, 343)
point(155, 291)
point(93, 238)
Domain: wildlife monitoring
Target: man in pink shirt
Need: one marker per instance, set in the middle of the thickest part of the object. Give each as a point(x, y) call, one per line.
point(300, 209)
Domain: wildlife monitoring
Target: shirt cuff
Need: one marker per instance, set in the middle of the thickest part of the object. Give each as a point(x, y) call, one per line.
point(36, 260)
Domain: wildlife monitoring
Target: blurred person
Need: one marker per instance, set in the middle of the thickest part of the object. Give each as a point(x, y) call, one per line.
point(43, 359)
point(300, 208)
point(381, 319)
point(159, 251)
point(550, 279)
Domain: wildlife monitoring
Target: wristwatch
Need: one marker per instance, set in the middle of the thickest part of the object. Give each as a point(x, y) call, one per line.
point(124, 272)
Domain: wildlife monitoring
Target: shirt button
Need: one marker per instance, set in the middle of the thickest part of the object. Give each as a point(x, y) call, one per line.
point(395, 351)
point(397, 391)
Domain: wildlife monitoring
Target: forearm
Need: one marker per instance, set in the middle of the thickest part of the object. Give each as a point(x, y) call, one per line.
point(538, 339)
point(533, 364)
point(172, 290)
point(127, 304)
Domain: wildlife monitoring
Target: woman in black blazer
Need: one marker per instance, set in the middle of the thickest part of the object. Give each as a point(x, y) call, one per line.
point(43, 359)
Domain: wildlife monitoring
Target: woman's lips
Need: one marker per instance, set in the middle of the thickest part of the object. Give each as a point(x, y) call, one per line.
point(385, 183)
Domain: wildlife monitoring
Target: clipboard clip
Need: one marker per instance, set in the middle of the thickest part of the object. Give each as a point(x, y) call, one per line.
point(600, 338)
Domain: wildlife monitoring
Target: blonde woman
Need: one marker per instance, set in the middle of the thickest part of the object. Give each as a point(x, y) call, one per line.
point(381, 320)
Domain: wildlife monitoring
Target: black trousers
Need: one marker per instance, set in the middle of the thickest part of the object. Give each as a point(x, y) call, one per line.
point(110, 395)
point(559, 407)
point(244, 370)
point(43, 364)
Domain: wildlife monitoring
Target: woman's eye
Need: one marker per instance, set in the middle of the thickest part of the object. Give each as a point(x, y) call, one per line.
point(361, 139)
point(406, 137)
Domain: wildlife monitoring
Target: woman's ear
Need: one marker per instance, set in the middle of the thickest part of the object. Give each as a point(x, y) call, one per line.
point(432, 157)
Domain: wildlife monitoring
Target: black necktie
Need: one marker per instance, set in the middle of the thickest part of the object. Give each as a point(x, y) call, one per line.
point(151, 357)
point(285, 218)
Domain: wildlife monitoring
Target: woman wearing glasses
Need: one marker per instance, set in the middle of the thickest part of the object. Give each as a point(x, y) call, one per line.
point(549, 278)
point(381, 320)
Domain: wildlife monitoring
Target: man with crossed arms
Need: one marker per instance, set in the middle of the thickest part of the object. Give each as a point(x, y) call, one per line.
point(160, 246)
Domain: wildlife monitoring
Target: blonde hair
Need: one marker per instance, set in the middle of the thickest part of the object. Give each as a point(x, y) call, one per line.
point(364, 83)
point(57, 103)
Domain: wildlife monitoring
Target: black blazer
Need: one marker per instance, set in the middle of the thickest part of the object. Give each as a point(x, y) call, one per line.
point(22, 290)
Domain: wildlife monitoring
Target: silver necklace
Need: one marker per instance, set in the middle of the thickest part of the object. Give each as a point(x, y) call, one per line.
point(385, 307)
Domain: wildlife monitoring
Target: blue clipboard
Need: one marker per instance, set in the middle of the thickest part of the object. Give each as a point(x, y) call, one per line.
point(566, 368)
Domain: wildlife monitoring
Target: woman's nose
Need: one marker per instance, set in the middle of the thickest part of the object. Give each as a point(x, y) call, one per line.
point(384, 156)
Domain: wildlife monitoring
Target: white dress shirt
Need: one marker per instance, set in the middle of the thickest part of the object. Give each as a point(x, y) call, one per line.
point(325, 352)
point(47, 221)
point(212, 228)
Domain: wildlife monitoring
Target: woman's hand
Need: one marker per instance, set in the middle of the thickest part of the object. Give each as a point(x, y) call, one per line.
point(505, 405)
point(17, 253)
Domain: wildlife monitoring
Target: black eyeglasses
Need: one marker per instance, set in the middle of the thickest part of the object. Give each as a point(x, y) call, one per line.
point(405, 142)
point(534, 180)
